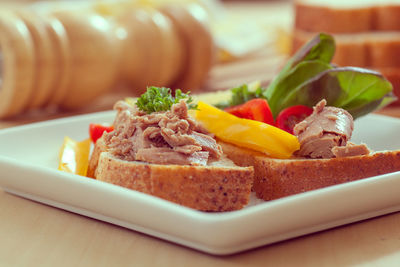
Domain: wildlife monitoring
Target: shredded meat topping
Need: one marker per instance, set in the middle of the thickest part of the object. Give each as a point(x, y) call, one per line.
point(171, 137)
point(326, 132)
point(350, 149)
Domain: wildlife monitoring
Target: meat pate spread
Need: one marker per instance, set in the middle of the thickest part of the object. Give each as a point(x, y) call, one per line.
point(170, 137)
point(326, 132)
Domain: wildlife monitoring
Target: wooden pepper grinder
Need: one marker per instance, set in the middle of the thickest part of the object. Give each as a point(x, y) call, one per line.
point(17, 64)
point(65, 56)
point(94, 52)
point(152, 49)
point(45, 66)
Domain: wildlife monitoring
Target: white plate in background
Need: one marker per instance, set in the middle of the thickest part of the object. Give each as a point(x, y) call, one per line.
point(28, 167)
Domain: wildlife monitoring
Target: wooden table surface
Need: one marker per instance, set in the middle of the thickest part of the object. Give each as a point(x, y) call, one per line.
point(33, 234)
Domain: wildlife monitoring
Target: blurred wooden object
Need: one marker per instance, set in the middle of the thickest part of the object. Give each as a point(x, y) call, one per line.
point(17, 53)
point(45, 59)
point(158, 58)
point(95, 57)
point(199, 50)
point(60, 41)
point(91, 47)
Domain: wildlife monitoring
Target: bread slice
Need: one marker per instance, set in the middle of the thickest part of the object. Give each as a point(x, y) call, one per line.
point(277, 178)
point(372, 50)
point(343, 16)
point(393, 75)
point(220, 186)
point(312, 15)
point(388, 17)
point(99, 147)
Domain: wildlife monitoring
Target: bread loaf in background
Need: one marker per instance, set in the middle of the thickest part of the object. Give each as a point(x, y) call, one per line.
point(347, 16)
point(366, 32)
point(64, 55)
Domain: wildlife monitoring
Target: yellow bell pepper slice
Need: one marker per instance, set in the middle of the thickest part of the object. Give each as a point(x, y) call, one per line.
point(255, 135)
point(74, 156)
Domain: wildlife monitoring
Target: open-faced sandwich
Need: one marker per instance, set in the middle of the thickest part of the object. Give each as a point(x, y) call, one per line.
point(291, 137)
point(325, 156)
point(157, 148)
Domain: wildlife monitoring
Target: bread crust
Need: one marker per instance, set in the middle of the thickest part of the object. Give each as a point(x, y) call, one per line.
point(277, 178)
point(205, 188)
point(317, 18)
point(372, 50)
point(393, 75)
point(220, 187)
point(99, 147)
point(333, 17)
point(387, 18)
point(384, 52)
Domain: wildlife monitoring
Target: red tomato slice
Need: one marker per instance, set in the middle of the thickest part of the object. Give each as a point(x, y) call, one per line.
point(290, 116)
point(97, 130)
point(256, 109)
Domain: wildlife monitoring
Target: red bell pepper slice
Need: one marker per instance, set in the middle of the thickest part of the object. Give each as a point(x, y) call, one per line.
point(256, 109)
point(97, 130)
point(290, 116)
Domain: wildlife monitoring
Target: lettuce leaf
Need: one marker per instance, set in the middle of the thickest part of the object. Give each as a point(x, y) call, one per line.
point(357, 90)
point(296, 76)
point(320, 48)
point(308, 77)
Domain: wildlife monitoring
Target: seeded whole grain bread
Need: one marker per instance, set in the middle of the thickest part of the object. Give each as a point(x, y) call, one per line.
point(220, 186)
point(99, 147)
point(277, 178)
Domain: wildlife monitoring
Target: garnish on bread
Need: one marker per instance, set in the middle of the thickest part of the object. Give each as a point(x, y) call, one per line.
point(158, 149)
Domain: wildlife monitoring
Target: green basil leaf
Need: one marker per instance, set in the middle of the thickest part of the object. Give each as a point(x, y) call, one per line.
point(286, 86)
point(308, 77)
point(361, 110)
point(357, 90)
point(321, 48)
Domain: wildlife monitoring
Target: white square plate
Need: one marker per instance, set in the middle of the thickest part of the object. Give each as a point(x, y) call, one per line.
point(28, 167)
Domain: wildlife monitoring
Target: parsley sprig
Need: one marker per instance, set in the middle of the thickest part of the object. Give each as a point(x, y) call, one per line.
point(160, 99)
